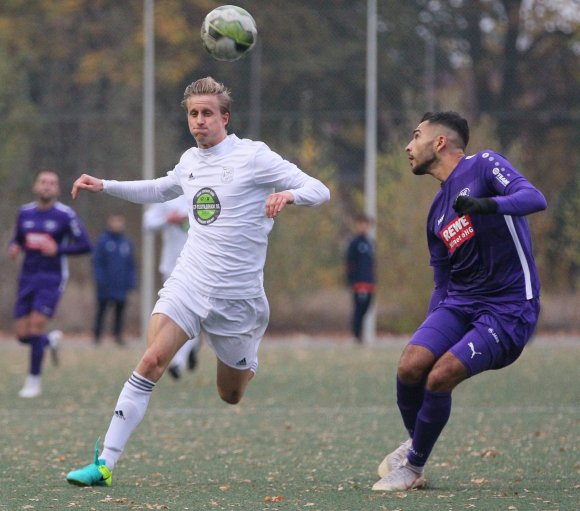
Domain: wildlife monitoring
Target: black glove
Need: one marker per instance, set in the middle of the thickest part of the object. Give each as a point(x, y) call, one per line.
point(464, 204)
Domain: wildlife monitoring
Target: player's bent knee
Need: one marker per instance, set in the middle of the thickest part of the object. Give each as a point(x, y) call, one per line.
point(409, 375)
point(436, 383)
point(410, 372)
point(151, 365)
point(150, 360)
point(232, 397)
point(414, 364)
point(445, 377)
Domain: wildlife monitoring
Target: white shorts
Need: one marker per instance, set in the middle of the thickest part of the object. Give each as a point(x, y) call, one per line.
point(233, 328)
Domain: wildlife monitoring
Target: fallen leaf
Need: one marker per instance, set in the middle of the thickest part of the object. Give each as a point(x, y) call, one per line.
point(277, 498)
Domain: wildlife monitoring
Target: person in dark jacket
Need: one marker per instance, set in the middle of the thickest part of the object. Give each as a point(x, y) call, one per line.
point(360, 273)
point(114, 270)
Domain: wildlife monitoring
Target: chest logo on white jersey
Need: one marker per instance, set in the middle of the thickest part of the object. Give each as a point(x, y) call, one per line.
point(227, 175)
point(206, 206)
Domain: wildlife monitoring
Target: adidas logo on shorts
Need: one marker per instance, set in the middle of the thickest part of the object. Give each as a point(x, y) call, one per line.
point(242, 362)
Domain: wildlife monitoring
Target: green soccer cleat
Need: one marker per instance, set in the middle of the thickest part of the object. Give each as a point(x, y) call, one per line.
point(95, 474)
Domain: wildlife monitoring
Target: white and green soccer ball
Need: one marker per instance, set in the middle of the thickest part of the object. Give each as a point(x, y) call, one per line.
point(228, 32)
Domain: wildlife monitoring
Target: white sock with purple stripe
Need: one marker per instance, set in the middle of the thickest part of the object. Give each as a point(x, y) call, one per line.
point(129, 411)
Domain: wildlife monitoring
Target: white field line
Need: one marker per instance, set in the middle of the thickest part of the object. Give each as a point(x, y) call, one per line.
point(266, 411)
point(73, 343)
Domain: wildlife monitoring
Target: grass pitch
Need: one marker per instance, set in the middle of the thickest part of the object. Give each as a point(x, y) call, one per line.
point(309, 434)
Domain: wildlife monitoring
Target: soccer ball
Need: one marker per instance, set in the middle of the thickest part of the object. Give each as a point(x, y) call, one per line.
point(228, 32)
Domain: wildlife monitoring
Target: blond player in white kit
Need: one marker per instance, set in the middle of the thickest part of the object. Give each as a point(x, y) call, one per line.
point(217, 286)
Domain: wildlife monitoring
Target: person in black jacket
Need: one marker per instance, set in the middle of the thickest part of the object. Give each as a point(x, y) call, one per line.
point(114, 269)
point(360, 273)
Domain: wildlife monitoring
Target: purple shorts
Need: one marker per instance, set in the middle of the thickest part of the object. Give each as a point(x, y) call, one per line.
point(40, 293)
point(482, 335)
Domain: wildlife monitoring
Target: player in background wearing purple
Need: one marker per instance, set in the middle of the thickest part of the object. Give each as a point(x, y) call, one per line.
point(46, 232)
point(485, 304)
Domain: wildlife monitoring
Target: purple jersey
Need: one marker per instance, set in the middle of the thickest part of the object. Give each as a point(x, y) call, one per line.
point(484, 257)
point(60, 223)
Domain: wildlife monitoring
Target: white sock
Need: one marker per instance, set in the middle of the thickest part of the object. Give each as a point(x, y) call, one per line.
point(180, 358)
point(129, 412)
point(413, 468)
point(195, 343)
point(33, 380)
point(254, 366)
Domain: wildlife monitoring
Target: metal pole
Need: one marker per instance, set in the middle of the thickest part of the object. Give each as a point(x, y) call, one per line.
point(430, 70)
point(429, 65)
point(370, 324)
point(256, 92)
point(147, 243)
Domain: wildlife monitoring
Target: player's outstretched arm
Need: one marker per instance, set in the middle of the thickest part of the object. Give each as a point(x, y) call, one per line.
point(86, 182)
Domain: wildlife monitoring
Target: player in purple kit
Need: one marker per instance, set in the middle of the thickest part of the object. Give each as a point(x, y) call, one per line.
point(485, 304)
point(46, 231)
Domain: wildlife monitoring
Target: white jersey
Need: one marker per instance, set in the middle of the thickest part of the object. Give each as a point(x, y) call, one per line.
point(173, 236)
point(226, 188)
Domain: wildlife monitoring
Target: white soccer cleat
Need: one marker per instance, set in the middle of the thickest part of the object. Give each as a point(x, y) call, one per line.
point(32, 387)
point(402, 478)
point(54, 338)
point(395, 459)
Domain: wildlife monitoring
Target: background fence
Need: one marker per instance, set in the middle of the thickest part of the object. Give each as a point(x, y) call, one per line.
point(71, 100)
